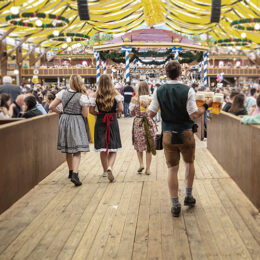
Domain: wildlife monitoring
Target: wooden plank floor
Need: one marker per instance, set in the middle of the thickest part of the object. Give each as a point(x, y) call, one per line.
point(130, 219)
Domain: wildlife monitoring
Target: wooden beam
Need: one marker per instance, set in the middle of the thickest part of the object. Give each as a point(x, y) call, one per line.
point(3, 59)
point(39, 57)
point(17, 46)
point(30, 51)
point(7, 33)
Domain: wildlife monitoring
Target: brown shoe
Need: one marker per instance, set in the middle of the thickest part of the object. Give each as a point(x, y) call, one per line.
point(110, 175)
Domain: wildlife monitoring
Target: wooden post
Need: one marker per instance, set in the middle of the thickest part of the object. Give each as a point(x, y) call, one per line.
point(19, 62)
point(31, 58)
point(3, 58)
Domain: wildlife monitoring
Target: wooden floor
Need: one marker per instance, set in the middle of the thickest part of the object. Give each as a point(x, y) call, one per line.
point(131, 219)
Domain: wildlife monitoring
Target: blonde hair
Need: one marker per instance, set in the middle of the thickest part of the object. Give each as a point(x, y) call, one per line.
point(76, 83)
point(106, 93)
point(143, 89)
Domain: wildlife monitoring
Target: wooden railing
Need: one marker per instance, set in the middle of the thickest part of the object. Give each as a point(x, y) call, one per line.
point(236, 148)
point(61, 72)
point(234, 71)
point(28, 153)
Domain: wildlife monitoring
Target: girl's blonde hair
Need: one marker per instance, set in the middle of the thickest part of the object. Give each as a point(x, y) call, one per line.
point(76, 83)
point(143, 89)
point(106, 93)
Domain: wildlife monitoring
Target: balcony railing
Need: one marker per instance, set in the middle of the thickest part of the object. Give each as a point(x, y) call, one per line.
point(234, 71)
point(61, 72)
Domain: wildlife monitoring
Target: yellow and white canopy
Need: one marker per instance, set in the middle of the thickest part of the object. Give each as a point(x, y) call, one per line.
point(118, 16)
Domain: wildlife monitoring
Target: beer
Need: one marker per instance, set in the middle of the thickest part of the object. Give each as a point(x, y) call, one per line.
point(144, 99)
point(209, 95)
point(200, 98)
point(217, 103)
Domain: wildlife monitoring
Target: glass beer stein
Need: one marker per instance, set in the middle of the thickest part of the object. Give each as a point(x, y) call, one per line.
point(200, 98)
point(217, 103)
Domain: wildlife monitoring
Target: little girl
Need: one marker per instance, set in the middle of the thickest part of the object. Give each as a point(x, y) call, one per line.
point(72, 135)
point(105, 104)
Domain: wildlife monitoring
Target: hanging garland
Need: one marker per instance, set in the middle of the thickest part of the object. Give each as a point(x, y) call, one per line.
point(118, 57)
point(75, 37)
point(155, 62)
point(233, 42)
point(237, 24)
point(20, 20)
point(152, 54)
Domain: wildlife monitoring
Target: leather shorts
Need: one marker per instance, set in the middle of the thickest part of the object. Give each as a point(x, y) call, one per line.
point(172, 151)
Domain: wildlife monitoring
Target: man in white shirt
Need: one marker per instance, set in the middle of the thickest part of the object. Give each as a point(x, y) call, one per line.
point(178, 110)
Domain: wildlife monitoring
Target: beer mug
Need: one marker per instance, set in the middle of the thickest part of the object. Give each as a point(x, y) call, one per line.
point(200, 98)
point(143, 98)
point(217, 103)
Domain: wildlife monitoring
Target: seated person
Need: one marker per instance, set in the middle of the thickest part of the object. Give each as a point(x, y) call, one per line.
point(238, 106)
point(255, 118)
point(6, 108)
point(229, 103)
point(30, 109)
point(18, 104)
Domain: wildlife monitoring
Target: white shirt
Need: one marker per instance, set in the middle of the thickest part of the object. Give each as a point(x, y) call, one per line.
point(191, 105)
point(84, 101)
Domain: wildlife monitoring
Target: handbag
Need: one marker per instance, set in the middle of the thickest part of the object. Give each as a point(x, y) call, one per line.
point(159, 141)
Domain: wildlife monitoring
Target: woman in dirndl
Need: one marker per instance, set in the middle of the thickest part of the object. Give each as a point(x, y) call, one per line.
point(144, 128)
point(105, 104)
point(72, 134)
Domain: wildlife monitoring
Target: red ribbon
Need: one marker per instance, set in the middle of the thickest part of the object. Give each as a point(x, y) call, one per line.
point(107, 118)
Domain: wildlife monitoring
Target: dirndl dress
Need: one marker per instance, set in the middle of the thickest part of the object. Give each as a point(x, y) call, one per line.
point(72, 134)
point(144, 130)
point(106, 134)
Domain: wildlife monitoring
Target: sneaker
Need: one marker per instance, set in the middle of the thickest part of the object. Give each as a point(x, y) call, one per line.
point(104, 174)
point(75, 179)
point(176, 210)
point(110, 175)
point(70, 174)
point(189, 201)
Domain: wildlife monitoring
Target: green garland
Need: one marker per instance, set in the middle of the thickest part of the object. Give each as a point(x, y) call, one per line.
point(233, 42)
point(237, 24)
point(184, 57)
point(152, 54)
point(12, 18)
point(75, 37)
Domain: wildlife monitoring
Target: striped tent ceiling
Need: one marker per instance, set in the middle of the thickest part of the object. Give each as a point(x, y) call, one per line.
point(118, 16)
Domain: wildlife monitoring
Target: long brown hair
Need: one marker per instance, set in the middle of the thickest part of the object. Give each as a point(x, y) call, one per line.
point(76, 83)
point(238, 103)
point(106, 93)
point(143, 89)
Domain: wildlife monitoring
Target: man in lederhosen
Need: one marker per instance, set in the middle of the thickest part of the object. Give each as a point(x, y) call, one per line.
point(178, 107)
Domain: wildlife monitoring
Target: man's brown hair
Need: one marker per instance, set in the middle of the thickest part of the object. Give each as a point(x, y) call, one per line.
point(173, 69)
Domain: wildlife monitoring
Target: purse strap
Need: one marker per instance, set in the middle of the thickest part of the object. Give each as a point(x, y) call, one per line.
point(69, 100)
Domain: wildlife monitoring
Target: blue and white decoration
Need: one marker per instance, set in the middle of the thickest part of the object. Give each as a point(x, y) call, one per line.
point(135, 61)
point(205, 60)
point(176, 51)
point(200, 69)
point(127, 51)
point(96, 55)
point(104, 64)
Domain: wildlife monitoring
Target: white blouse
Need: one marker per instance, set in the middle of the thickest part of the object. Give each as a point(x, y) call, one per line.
point(84, 100)
point(119, 98)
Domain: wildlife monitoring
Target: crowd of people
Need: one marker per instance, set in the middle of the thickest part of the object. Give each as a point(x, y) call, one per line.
point(171, 101)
